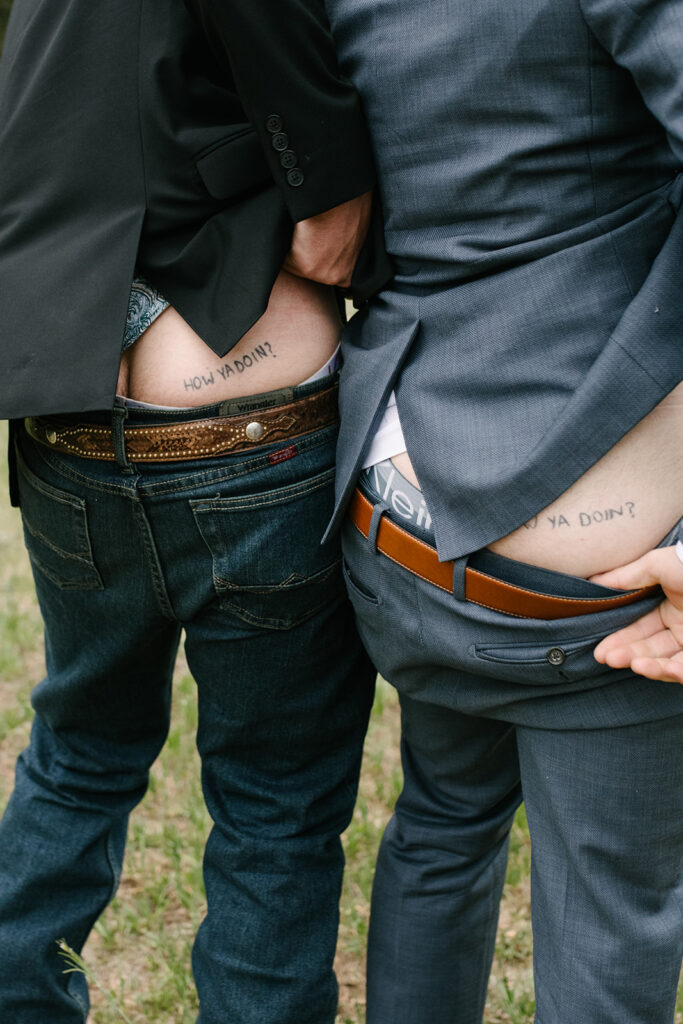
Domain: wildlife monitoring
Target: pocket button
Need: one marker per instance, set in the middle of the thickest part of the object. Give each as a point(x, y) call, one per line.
point(556, 656)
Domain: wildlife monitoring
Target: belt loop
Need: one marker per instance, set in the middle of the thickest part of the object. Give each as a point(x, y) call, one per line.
point(119, 415)
point(459, 566)
point(377, 512)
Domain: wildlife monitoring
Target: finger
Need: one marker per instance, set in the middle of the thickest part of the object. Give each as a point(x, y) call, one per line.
point(671, 612)
point(647, 626)
point(658, 566)
point(617, 657)
point(663, 645)
point(668, 670)
point(640, 573)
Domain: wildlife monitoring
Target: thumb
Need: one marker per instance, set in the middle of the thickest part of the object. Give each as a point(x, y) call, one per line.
point(643, 572)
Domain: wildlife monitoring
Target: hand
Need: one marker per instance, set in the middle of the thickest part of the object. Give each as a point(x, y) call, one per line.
point(653, 645)
point(325, 247)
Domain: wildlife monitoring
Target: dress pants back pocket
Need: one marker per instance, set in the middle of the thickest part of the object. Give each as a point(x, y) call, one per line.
point(553, 659)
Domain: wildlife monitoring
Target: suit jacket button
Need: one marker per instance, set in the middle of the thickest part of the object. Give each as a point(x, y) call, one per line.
point(279, 142)
point(288, 159)
point(295, 177)
point(274, 123)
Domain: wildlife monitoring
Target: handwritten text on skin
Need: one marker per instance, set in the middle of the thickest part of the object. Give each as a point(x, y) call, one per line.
point(584, 519)
point(235, 366)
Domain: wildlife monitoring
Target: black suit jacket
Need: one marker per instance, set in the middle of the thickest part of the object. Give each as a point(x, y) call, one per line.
point(184, 138)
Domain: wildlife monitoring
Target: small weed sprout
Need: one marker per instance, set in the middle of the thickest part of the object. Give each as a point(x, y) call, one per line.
point(75, 964)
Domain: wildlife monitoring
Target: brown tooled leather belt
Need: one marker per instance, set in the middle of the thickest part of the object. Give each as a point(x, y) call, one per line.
point(191, 439)
point(422, 560)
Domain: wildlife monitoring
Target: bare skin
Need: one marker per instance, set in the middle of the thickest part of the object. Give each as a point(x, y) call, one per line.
point(171, 365)
point(325, 247)
point(653, 645)
point(616, 511)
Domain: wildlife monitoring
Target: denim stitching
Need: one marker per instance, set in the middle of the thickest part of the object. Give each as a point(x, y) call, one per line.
point(57, 465)
point(84, 559)
point(92, 583)
point(278, 624)
point(290, 623)
point(226, 474)
point(279, 588)
point(268, 498)
point(156, 574)
point(82, 536)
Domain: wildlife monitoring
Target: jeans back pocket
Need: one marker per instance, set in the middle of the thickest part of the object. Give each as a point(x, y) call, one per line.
point(56, 533)
point(269, 567)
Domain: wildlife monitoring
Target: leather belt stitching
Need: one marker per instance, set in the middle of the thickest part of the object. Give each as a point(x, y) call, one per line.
point(229, 434)
point(288, 421)
point(359, 511)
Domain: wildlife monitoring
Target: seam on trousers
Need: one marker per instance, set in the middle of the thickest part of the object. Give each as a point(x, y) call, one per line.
point(153, 562)
point(115, 872)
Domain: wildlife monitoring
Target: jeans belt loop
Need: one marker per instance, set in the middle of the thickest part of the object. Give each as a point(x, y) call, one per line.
point(119, 415)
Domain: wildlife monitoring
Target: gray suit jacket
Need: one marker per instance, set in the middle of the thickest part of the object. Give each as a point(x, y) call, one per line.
point(529, 155)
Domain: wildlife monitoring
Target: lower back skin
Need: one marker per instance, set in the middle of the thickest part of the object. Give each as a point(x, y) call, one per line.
point(170, 364)
point(622, 507)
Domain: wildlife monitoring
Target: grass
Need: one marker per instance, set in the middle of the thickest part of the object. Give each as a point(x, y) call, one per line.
point(139, 954)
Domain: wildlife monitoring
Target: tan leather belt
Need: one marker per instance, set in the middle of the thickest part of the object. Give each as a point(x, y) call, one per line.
point(191, 439)
point(422, 559)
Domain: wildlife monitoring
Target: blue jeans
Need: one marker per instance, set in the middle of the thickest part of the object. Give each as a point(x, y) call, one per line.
point(488, 719)
point(227, 549)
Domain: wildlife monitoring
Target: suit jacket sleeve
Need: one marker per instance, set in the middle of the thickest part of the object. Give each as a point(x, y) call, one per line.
point(646, 37)
point(307, 115)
